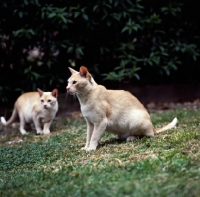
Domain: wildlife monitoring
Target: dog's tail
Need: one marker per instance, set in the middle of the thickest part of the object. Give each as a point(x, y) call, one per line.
point(11, 120)
point(169, 126)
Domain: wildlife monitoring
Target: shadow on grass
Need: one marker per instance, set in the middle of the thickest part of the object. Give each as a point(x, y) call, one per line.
point(111, 141)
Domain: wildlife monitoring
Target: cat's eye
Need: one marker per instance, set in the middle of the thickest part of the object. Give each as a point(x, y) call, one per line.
point(42, 100)
point(74, 82)
point(49, 100)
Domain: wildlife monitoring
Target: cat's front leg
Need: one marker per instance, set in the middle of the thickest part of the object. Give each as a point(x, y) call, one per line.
point(96, 135)
point(39, 131)
point(90, 128)
point(46, 130)
point(37, 124)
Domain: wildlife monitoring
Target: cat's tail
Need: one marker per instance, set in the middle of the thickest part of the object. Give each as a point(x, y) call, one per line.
point(169, 126)
point(12, 118)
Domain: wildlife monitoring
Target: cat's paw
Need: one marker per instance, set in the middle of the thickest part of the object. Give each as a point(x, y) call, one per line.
point(131, 138)
point(39, 132)
point(46, 132)
point(23, 132)
point(90, 149)
point(85, 147)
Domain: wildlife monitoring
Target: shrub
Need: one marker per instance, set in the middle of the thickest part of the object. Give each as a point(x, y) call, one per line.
point(121, 39)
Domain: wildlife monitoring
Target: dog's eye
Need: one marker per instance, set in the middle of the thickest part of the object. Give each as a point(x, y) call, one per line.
point(74, 82)
point(49, 100)
point(42, 100)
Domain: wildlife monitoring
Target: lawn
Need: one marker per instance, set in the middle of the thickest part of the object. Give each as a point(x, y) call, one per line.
point(54, 165)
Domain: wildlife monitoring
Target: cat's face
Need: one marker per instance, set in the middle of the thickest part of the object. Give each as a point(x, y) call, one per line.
point(48, 99)
point(78, 81)
point(75, 84)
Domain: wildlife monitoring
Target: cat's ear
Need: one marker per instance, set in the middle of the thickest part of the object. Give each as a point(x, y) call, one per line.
point(55, 93)
point(40, 92)
point(83, 71)
point(72, 70)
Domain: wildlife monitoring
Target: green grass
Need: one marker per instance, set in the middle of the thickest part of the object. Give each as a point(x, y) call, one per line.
point(167, 165)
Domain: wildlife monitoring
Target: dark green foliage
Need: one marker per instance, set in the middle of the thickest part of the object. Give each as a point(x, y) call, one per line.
point(119, 39)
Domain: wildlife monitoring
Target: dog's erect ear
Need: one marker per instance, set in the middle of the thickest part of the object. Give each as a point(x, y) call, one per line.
point(83, 71)
point(55, 93)
point(72, 70)
point(40, 92)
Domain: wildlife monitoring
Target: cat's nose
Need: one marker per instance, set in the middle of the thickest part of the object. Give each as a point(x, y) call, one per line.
point(67, 88)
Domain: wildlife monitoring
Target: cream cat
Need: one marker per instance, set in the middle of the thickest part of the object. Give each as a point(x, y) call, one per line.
point(37, 107)
point(115, 111)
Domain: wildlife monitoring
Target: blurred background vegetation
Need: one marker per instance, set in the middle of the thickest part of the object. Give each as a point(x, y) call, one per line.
point(120, 41)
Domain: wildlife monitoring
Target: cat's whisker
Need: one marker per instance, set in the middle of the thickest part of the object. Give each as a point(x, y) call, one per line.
point(79, 93)
point(74, 96)
point(66, 94)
